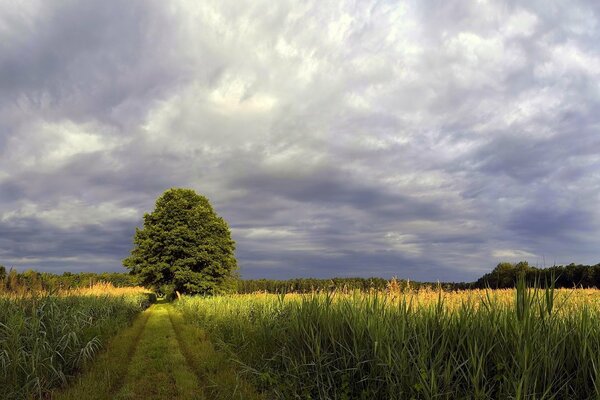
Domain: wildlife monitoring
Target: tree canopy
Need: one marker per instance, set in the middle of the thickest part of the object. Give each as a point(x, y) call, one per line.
point(183, 246)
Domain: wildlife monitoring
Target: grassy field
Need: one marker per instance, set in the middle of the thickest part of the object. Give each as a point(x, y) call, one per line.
point(46, 338)
point(517, 344)
point(160, 357)
point(398, 344)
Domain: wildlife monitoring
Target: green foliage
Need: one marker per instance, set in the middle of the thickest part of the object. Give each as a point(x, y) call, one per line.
point(309, 285)
point(105, 375)
point(158, 370)
point(219, 377)
point(161, 356)
point(370, 347)
point(45, 340)
point(505, 275)
point(183, 243)
point(31, 281)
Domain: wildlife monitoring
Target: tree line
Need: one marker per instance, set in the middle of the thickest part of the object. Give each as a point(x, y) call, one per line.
point(504, 275)
point(309, 285)
point(13, 281)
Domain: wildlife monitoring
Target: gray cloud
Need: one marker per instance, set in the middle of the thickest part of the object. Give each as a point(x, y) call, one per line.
point(420, 139)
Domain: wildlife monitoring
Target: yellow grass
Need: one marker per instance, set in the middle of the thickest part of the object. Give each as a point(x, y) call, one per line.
point(97, 289)
point(105, 288)
point(566, 300)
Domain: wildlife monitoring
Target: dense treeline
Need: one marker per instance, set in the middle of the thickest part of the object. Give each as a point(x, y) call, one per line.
point(308, 285)
point(504, 275)
point(563, 276)
point(30, 280)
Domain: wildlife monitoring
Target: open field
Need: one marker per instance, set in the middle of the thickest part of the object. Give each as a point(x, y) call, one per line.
point(46, 338)
point(160, 357)
point(477, 344)
point(534, 344)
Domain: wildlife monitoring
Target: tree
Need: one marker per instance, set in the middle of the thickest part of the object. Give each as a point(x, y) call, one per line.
point(184, 246)
point(2, 272)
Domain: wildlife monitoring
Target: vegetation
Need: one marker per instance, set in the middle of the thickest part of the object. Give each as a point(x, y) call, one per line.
point(341, 338)
point(482, 344)
point(33, 281)
point(45, 339)
point(160, 357)
point(311, 285)
point(106, 375)
point(184, 246)
point(561, 276)
point(503, 276)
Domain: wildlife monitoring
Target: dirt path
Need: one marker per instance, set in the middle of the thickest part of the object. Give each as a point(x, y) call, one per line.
point(159, 357)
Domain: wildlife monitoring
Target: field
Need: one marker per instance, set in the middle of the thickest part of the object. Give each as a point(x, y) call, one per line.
point(502, 344)
point(397, 344)
point(44, 338)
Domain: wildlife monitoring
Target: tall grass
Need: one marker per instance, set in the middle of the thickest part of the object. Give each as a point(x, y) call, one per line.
point(46, 338)
point(505, 344)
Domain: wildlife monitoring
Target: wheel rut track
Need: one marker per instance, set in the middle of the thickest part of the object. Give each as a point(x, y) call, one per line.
point(134, 345)
point(185, 350)
point(159, 369)
point(161, 356)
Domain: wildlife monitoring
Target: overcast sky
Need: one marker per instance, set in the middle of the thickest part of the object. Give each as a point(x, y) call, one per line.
point(424, 139)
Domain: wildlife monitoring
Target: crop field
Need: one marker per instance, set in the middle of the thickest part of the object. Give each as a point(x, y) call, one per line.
point(109, 343)
point(520, 344)
point(45, 338)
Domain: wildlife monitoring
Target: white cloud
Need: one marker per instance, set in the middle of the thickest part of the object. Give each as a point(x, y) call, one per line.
point(266, 233)
point(51, 144)
point(234, 96)
point(521, 23)
point(405, 243)
point(512, 254)
point(567, 59)
point(72, 213)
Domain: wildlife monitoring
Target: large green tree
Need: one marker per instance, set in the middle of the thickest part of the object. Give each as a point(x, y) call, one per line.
point(184, 246)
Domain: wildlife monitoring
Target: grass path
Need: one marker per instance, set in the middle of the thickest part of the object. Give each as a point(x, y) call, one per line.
point(160, 357)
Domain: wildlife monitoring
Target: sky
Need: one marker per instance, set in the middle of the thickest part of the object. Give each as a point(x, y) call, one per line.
point(421, 139)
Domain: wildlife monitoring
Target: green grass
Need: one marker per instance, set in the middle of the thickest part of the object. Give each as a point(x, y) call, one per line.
point(106, 375)
point(45, 340)
point(219, 377)
point(160, 357)
point(376, 347)
point(158, 369)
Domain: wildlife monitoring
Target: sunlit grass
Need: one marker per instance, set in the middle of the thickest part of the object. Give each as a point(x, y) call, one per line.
point(97, 289)
point(523, 343)
point(44, 338)
point(105, 288)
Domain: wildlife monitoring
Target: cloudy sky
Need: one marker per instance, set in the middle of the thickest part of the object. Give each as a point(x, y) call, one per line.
point(425, 139)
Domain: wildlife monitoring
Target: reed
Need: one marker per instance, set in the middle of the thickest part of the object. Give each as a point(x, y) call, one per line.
point(45, 339)
point(485, 344)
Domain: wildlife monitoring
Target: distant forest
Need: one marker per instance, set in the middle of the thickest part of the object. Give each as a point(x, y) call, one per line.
point(504, 275)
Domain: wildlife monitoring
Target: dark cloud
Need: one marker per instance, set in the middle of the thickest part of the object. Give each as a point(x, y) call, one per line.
point(550, 223)
point(27, 242)
point(425, 140)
